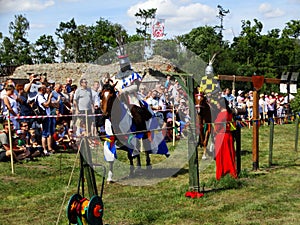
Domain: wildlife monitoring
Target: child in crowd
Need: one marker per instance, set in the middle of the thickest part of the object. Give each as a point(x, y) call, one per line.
point(34, 143)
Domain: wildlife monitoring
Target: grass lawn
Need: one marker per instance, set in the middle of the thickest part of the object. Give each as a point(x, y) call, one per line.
point(38, 191)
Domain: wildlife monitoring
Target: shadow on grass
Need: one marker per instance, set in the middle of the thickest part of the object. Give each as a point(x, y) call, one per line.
point(245, 152)
point(225, 183)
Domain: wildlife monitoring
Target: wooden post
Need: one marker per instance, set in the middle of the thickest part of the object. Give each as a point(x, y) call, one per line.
point(255, 131)
point(173, 124)
point(297, 133)
point(10, 146)
point(238, 148)
point(271, 142)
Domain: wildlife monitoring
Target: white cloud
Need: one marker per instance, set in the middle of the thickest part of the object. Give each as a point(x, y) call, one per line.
point(269, 12)
point(180, 15)
point(37, 25)
point(24, 5)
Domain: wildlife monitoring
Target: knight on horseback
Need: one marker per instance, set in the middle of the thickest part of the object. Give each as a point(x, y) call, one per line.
point(210, 87)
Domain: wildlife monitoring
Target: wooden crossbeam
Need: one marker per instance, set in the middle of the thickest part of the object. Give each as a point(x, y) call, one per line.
point(247, 79)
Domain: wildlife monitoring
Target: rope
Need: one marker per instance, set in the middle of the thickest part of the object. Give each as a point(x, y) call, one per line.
point(69, 182)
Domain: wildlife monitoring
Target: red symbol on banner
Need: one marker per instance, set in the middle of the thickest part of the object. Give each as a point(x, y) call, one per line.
point(158, 30)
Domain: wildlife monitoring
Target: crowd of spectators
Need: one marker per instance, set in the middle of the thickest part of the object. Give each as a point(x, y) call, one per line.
point(63, 109)
point(36, 136)
point(170, 100)
point(64, 106)
point(272, 106)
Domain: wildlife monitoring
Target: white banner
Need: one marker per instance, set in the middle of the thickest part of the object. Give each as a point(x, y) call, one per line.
point(158, 29)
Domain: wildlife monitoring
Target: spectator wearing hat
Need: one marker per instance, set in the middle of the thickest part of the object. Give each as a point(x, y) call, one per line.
point(51, 84)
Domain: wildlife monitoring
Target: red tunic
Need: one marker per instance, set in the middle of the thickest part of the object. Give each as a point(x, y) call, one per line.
point(225, 153)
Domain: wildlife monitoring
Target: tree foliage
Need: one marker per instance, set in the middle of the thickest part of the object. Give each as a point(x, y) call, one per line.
point(295, 103)
point(144, 19)
point(45, 50)
point(15, 50)
point(86, 43)
point(267, 54)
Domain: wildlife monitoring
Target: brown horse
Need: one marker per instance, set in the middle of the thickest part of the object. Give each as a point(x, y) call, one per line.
point(203, 120)
point(112, 108)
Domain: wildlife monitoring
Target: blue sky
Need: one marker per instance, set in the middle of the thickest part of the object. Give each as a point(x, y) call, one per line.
point(180, 15)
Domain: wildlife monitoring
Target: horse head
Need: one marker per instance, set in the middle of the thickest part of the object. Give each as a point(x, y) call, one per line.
point(107, 96)
point(200, 101)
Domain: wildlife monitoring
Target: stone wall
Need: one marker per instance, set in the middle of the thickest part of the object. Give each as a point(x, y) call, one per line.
point(92, 72)
point(60, 71)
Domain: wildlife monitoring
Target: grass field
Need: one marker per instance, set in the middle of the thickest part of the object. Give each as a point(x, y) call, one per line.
point(35, 194)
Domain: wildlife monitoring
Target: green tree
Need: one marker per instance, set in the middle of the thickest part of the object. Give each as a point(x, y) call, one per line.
point(7, 52)
point(16, 50)
point(45, 50)
point(246, 45)
point(67, 32)
point(104, 36)
point(82, 43)
point(203, 41)
point(295, 103)
point(145, 17)
point(292, 31)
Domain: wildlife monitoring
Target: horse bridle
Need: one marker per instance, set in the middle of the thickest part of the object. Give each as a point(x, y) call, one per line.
point(198, 106)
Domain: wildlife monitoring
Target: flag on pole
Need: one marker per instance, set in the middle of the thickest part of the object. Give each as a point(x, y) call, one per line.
point(158, 28)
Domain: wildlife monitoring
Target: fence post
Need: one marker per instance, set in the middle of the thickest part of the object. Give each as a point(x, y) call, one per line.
point(297, 133)
point(271, 141)
point(238, 148)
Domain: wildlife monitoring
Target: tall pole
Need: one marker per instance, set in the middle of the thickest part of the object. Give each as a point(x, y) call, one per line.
point(194, 183)
point(255, 131)
point(11, 146)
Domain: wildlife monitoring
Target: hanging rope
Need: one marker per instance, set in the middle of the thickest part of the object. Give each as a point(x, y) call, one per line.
point(69, 182)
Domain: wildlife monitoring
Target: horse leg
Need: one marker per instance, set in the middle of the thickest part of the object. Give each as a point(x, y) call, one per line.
point(110, 172)
point(147, 149)
point(204, 139)
point(130, 158)
point(148, 160)
point(138, 164)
